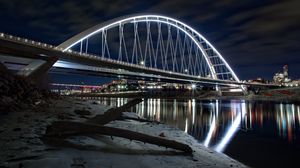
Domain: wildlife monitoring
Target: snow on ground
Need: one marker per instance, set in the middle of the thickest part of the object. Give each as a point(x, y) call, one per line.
point(21, 145)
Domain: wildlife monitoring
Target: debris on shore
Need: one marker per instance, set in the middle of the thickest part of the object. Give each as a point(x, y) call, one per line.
point(29, 147)
point(18, 93)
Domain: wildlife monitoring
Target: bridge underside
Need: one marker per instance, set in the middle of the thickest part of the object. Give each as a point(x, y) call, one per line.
point(11, 48)
point(17, 64)
point(18, 53)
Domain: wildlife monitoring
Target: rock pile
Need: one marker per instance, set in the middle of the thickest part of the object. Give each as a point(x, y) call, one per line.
point(17, 92)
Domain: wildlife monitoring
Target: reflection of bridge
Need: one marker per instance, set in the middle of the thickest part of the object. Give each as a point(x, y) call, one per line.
point(216, 123)
point(148, 47)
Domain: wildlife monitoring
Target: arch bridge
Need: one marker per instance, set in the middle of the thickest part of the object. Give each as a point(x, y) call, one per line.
point(142, 46)
point(155, 42)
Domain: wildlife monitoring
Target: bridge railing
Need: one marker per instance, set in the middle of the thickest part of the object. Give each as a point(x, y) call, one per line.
point(95, 57)
point(85, 55)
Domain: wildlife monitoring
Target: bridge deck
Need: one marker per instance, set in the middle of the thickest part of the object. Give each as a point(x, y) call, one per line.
point(20, 47)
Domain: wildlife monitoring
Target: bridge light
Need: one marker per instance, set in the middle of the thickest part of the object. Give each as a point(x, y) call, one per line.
point(186, 70)
point(142, 62)
point(193, 86)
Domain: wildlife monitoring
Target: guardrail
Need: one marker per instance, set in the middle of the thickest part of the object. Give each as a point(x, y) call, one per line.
point(85, 55)
point(96, 57)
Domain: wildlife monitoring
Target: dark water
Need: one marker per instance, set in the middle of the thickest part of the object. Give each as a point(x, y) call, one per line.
point(258, 134)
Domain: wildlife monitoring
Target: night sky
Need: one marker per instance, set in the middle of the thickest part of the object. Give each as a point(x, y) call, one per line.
point(256, 37)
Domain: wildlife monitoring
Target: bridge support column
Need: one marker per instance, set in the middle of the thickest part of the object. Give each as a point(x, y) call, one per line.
point(37, 69)
point(27, 70)
point(218, 89)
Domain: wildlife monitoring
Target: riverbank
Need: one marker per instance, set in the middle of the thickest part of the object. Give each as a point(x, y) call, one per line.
point(172, 94)
point(285, 94)
point(21, 141)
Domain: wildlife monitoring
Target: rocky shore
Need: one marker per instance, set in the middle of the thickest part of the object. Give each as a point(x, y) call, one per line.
point(27, 111)
point(18, 93)
point(22, 143)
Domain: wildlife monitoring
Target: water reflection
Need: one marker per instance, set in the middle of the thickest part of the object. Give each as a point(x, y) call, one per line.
point(215, 122)
point(223, 124)
point(202, 119)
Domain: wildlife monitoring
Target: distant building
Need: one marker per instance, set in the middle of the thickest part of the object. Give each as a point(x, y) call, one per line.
point(68, 89)
point(258, 81)
point(282, 77)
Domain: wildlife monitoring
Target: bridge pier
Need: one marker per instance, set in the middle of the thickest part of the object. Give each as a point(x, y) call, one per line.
point(27, 70)
point(36, 71)
point(36, 66)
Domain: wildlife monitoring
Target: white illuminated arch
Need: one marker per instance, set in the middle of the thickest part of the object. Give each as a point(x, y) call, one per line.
point(195, 36)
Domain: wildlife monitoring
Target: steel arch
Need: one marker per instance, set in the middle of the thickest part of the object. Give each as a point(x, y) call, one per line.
point(195, 36)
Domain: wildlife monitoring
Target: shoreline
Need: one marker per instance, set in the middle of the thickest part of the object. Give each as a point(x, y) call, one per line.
point(275, 95)
point(22, 145)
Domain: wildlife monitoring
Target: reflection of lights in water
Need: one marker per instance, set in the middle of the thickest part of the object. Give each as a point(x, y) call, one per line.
point(215, 130)
point(293, 113)
point(232, 129)
point(154, 107)
point(283, 121)
point(298, 112)
point(244, 115)
point(148, 109)
point(210, 132)
point(189, 107)
point(118, 102)
point(286, 120)
point(186, 125)
point(243, 110)
point(290, 110)
point(212, 125)
point(143, 106)
point(174, 109)
point(217, 107)
point(250, 115)
point(151, 108)
point(278, 121)
point(230, 132)
point(158, 109)
point(193, 110)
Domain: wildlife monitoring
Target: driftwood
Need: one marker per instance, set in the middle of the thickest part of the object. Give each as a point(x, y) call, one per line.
point(62, 129)
point(138, 119)
point(69, 128)
point(113, 113)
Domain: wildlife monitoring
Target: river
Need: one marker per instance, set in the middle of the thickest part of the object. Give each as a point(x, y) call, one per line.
point(256, 133)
